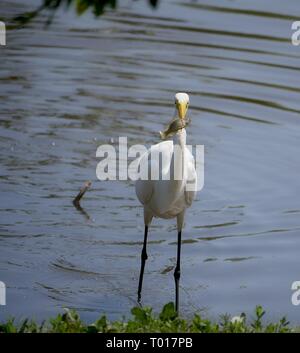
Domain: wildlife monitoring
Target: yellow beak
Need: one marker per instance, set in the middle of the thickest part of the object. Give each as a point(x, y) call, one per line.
point(182, 109)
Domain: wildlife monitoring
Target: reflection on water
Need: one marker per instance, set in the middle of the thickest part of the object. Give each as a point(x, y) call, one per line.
point(84, 82)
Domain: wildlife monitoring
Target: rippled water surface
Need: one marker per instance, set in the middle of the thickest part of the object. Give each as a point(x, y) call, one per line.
point(83, 82)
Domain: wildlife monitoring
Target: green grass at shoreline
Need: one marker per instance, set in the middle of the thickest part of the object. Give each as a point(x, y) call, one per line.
point(143, 320)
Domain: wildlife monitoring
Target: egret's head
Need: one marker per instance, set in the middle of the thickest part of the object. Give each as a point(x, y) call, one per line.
point(182, 103)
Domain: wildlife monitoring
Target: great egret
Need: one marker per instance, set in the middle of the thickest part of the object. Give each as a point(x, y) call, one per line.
point(168, 197)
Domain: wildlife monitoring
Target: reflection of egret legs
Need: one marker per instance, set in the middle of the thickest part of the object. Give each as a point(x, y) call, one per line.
point(144, 257)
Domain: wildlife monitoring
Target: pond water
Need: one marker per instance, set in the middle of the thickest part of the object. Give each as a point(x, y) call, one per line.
point(83, 82)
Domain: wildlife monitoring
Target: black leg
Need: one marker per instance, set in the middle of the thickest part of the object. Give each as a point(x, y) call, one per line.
point(177, 273)
point(144, 257)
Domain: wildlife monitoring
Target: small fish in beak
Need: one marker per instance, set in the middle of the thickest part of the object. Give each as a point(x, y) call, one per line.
point(180, 122)
point(174, 126)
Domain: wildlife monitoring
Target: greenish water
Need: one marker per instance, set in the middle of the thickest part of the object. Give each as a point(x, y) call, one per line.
point(83, 82)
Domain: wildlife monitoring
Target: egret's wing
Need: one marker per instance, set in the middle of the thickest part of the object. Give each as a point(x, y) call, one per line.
point(146, 188)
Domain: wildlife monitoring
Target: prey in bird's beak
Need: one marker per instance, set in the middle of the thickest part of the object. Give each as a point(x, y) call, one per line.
point(174, 126)
point(180, 121)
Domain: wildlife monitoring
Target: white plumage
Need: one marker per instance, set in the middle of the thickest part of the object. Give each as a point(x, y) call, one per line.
point(167, 198)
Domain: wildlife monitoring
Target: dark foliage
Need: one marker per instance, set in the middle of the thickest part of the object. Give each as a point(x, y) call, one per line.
point(98, 7)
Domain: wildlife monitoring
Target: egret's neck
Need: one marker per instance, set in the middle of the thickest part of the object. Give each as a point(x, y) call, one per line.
point(179, 160)
point(180, 139)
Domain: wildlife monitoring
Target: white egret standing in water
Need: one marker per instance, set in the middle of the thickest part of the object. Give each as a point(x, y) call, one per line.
point(168, 196)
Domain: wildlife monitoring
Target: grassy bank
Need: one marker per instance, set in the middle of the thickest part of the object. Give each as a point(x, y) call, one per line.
point(143, 320)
